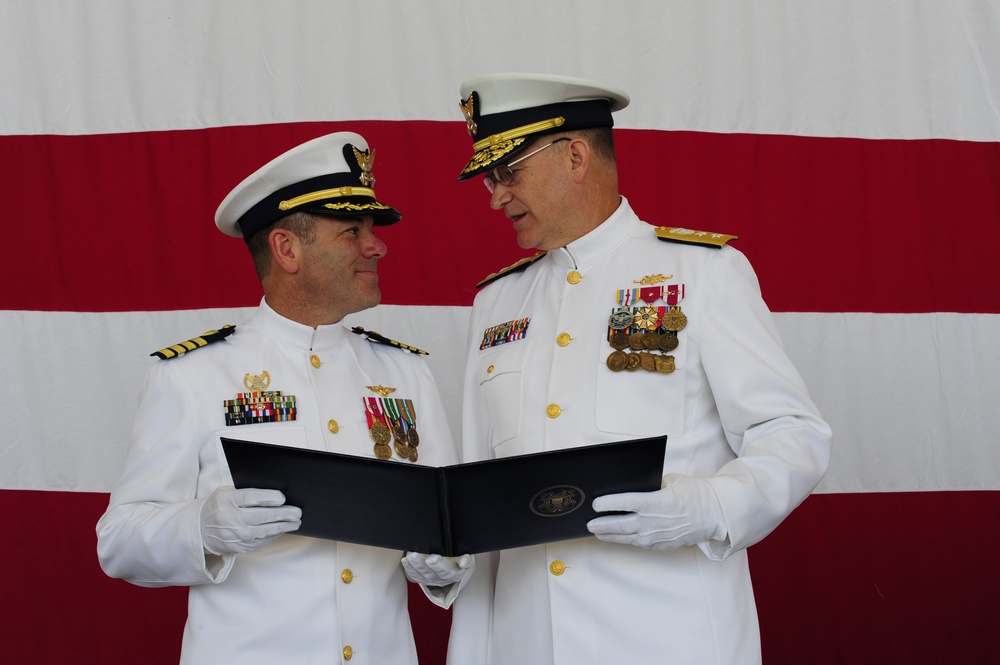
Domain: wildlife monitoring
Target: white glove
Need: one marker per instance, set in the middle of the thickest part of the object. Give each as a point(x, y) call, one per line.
point(235, 521)
point(685, 512)
point(437, 570)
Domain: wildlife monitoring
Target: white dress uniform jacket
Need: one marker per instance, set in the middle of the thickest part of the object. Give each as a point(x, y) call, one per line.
point(735, 411)
point(297, 599)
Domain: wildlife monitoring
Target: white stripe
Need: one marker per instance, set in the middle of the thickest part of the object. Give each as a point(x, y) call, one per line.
point(854, 68)
point(911, 397)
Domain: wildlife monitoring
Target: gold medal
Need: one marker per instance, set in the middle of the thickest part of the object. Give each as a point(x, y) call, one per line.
point(382, 451)
point(674, 320)
point(647, 361)
point(402, 449)
point(665, 364)
point(647, 318)
point(619, 339)
point(412, 438)
point(616, 361)
point(650, 341)
point(399, 432)
point(380, 433)
point(668, 341)
point(632, 362)
point(635, 341)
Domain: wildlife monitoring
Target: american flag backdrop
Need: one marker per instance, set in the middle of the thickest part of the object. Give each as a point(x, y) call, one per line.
point(854, 147)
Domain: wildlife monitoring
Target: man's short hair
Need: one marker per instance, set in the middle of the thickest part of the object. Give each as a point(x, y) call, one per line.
point(601, 139)
point(302, 224)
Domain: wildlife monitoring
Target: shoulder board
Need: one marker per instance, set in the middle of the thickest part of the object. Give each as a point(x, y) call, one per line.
point(705, 238)
point(379, 339)
point(196, 342)
point(515, 267)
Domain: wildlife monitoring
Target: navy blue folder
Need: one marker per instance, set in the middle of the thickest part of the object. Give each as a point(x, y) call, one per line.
point(452, 510)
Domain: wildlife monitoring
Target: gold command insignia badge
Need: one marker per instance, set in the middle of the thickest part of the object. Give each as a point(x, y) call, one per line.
point(256, 382)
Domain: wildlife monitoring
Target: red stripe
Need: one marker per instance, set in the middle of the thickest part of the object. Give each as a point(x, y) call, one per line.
point(847, 578)
point(124, 222)
point(880, 578)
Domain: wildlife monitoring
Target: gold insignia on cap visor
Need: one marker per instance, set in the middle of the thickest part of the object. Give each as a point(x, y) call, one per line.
point(518, 132)
point(494, 148)
point(337, 192)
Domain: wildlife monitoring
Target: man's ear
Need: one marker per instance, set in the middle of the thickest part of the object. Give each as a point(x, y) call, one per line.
point(579, 154)
point(286, 249)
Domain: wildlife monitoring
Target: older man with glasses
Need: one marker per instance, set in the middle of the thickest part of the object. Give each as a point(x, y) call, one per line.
point(630, 330)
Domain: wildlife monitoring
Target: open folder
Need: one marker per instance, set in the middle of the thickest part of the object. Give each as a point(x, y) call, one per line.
point(452, 510)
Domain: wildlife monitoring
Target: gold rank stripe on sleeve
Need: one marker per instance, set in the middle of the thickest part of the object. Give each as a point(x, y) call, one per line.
point(689, 236)
point(515, 267)
point(373, 336)
point(194, 343)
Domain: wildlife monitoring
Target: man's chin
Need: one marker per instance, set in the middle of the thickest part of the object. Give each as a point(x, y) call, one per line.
point(373, 297)
point(526, 241)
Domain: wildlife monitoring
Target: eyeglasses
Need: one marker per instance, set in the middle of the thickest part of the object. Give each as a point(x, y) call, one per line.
point(504, 175)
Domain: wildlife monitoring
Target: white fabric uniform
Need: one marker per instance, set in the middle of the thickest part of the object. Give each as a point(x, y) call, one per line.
point(297, 599)
point(735, 411)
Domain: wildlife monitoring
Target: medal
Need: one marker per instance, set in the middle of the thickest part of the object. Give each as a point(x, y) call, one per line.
point(392, 411)
point(665, 364)
point(674, 320)
point(647, 318)
point(379, 431)
point(402, 449)
point(641, 332)
point(617, 361)
point(620, 319)
point(399, 432)
point(410, 414)
point(668, 341)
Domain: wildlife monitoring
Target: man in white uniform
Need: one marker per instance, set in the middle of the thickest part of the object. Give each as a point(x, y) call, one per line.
point(293, 375)
point(624, 330)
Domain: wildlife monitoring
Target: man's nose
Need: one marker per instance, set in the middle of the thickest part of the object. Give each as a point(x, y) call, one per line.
point(500, 197)
point(375, 247)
